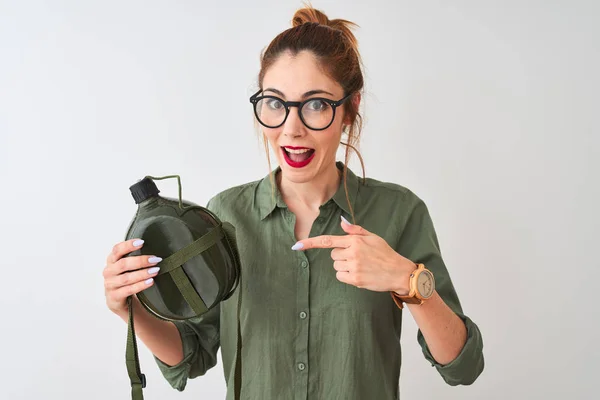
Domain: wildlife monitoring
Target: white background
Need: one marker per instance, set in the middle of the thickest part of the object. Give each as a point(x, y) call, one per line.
point(486, 109)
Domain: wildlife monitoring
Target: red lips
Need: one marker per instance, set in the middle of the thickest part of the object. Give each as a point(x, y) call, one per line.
point(297, 164)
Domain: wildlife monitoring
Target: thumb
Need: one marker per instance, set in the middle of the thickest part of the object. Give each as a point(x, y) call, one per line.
point(353, 229)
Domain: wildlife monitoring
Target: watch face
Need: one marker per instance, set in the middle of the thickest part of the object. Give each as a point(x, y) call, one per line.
point(425, 284)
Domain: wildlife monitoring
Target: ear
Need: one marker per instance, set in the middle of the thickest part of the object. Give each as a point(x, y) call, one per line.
point(356, 100)
point(355, 104)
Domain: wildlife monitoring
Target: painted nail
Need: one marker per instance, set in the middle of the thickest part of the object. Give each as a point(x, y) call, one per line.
point(148, 281)
point(138, 243)
point(153, 270)
point(154, 260)
point(345, 220)
point(298, 246)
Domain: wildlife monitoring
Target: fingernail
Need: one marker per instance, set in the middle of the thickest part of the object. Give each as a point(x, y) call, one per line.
point(148, 281)
point(345, 220)
point(298, 246)
point(138, 243)
point(154, 260)
point(153, 270)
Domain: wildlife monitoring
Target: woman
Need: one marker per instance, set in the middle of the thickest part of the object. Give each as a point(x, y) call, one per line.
point(322, 298)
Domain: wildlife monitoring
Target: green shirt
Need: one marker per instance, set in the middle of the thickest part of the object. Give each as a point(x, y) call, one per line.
point(306, 335)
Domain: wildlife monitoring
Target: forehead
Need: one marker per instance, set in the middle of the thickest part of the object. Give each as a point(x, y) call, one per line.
point(296, 75)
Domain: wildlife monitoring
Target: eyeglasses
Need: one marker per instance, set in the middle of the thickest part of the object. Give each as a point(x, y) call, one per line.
point(316, 113)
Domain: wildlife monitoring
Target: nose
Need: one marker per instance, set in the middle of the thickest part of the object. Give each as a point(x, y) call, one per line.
point(293, 126)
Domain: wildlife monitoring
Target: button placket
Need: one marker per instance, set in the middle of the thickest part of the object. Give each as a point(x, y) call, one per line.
point(301, 342)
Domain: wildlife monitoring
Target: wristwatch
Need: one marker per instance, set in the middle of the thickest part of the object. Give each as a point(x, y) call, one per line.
point(422, 286)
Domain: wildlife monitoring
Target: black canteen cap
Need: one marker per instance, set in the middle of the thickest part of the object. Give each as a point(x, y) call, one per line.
point(143, 189)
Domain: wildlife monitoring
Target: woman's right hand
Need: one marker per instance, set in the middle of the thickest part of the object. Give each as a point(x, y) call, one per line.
point(121, 279)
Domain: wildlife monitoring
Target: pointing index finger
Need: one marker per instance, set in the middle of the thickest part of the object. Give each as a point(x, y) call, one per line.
point(322, 242)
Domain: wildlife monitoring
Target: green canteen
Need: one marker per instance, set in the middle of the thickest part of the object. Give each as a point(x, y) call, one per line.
point(200, 264)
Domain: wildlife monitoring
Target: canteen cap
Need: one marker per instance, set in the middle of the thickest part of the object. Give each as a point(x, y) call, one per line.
point(143, 189)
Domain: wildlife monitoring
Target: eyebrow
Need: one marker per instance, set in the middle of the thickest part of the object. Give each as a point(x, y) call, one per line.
point(305, 95)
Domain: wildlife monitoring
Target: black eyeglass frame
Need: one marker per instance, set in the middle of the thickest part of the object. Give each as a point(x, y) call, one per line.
point(254, 99)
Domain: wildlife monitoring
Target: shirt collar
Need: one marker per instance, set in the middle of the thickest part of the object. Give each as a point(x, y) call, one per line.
point(266, 201)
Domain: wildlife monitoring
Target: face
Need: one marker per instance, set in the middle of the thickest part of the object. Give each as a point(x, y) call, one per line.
point(425, 284)
point(303, 153)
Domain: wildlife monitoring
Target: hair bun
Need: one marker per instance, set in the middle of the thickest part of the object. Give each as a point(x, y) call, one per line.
point(309, 15)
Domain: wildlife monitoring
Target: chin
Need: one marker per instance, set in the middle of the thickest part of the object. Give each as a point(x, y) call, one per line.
point(295, 174)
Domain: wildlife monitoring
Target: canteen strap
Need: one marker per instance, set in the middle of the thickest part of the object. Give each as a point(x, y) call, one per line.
point(238, 359)
point(173, 263)
point(230, 230)
point(190, 251)
point(170, 265)
point(138, 380)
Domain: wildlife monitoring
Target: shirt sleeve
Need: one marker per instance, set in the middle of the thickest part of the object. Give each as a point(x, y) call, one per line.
point(419, 243)
point(201, 341)
point(200, 337)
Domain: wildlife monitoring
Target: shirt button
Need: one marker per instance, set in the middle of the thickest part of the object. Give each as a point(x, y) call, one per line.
point(302, 315)
point(301, 366)
point(304, 264)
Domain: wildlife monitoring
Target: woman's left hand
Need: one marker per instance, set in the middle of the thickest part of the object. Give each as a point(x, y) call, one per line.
point(363, 259)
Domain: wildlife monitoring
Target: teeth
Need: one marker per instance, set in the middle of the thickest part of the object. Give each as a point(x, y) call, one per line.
point(297, 151)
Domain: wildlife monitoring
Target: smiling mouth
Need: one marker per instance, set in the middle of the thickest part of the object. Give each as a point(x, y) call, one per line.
point(298, 157)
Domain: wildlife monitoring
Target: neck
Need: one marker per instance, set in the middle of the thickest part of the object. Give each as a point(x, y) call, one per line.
point(311, 194)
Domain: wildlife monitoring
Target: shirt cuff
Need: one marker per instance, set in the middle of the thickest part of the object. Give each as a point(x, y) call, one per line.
point(469, 363)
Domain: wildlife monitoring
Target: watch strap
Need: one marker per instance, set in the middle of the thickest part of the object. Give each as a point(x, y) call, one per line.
point(399, 300)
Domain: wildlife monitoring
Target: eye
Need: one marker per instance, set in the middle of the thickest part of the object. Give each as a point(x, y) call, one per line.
point(274, 104)
point(316, 105)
